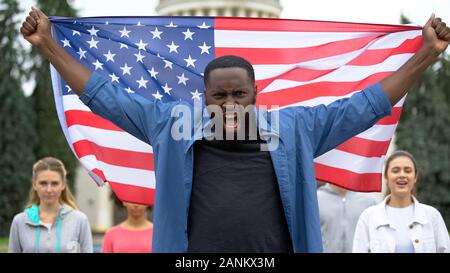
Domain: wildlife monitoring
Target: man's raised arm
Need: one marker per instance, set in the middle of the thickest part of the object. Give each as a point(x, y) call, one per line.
point(436, 38)
point(36, 30)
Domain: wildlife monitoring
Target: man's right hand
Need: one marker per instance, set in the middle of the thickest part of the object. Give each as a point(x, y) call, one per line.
point(36, 27)
point(36, 30)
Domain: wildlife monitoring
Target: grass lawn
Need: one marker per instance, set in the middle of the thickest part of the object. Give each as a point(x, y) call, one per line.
point(3, 244)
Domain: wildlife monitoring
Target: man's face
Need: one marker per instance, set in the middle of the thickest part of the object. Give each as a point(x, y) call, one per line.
point(228, 88)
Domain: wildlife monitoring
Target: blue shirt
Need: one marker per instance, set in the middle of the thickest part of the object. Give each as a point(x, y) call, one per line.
point(302, 134)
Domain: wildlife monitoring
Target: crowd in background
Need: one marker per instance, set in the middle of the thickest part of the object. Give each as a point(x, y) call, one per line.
point(350, 221)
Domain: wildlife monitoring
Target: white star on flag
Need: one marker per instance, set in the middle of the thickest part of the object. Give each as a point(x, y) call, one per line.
point(157, 95)
point(190, 61)
point(188, 34)
point(156, 33)
point(114, 78)
point(153, 72)
point(129, 90)
point(109, 56)
point(93, 31)
point(98, 65)
point(204, 48)
point(173, 47)
point(166, 89)
point(141, 45)
point(168, 64)
point(182, 79)
point(171, 25)
point(196, 95)
point(66, 43)
point(92, 43)
point(139, 57)
point(126, 69)
point(124, 32)
point(204, 26)
point(142, 82)
point(82, 53)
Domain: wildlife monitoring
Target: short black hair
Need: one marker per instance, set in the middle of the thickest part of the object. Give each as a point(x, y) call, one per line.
point(229, 61)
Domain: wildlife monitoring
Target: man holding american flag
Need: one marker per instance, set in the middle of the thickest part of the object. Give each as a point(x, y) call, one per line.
point(249, 192)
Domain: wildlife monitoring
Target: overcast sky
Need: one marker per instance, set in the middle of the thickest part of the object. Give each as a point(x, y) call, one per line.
point(376, 11)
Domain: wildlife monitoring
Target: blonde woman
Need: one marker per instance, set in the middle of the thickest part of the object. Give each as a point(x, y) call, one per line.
point(401, 224)
point(51, 222)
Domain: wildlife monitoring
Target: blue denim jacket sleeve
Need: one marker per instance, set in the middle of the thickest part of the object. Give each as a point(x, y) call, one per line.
point(141, 117)
point(331, 125)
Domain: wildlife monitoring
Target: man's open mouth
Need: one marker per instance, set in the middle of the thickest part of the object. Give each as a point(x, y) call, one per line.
point(231, 123)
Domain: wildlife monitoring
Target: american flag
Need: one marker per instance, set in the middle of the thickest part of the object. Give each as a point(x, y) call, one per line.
point(296, 62)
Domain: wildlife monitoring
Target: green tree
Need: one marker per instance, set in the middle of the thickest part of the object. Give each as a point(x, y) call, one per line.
point(16, 120)
point(424, 130)
point(51, 140)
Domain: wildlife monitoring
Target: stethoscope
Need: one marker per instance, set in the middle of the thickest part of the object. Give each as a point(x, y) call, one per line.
point(33, 214)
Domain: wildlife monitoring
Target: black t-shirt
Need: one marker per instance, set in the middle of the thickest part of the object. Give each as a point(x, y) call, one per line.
point(235, 201)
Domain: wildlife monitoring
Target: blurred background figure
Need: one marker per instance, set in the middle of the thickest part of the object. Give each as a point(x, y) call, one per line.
point(134, 235)
point(339, 212)
point(51, 221)
point(400, 223)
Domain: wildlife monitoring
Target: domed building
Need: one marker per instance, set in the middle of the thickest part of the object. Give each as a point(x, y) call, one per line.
point(241, 8)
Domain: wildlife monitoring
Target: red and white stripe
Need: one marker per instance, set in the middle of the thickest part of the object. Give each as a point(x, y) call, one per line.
point(307, 63)
point(112, 154)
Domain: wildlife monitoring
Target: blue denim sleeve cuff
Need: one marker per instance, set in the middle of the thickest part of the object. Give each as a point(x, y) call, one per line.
point(378, 100)
point(92, 87)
